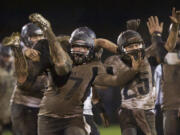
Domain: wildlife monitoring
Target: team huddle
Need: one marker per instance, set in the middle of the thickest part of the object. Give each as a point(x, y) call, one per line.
point(52, 82)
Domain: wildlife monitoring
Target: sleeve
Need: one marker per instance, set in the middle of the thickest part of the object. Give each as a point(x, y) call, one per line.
point(123, 75)
point(157, 49)
point(61, 60)
point(64, 41)
point(36, 68)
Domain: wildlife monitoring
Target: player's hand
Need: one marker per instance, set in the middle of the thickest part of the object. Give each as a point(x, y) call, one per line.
point(13, 40)
point(154, 25)
point(133, 24)
point(32, 54)
point(40, 21)
point(136, 63)
point(105, 119)
point(175, 18)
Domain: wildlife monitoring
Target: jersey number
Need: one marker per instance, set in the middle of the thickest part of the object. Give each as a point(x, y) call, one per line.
point(77, 83)
point(143, 90)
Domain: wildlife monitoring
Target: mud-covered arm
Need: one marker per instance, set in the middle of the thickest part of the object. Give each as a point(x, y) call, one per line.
point(21, 67)
point(120, 73)
point(61, 60)
point(106, 44)
point(171, 41)
point(155, 29)
point(64, 41)
point(157, 48)
point(133, 24)
point(120, 79)
point(119, 76)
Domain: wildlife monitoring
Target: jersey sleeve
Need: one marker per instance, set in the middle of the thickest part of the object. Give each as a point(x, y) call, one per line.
point(119, 77)
point(157, 49)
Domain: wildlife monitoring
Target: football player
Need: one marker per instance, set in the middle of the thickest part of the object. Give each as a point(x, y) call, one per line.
point(62, 104)
point(169, 54)
point(7, 83)
point(30, 86)
point(136, 112)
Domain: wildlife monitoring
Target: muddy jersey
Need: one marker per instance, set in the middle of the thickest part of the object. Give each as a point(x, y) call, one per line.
point(31, 91)
point(171, 81)
point(138, 92)
point(65, 95)
point(7, 83)
point(170, 76)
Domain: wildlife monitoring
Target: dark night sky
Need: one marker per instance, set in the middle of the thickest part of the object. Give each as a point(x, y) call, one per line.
point(106, 18)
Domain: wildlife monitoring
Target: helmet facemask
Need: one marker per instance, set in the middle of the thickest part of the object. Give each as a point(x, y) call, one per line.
point(134, 50)
point(130, 43)
point(82, 45)
point(81, 54)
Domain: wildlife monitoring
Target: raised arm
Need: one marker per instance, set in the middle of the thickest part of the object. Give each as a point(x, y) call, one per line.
point(133, 24)
point(123, 74)
point(21, 67)
point(155, 29)
point(171, 41)
point(106, 44)
point(61, 60)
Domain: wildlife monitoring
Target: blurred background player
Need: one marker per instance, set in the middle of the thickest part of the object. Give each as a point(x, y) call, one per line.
point(7, 83)
point(170, 72)
point(27, 96)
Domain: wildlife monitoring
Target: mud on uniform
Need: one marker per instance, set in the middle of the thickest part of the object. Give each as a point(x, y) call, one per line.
point(137, 99)
point(7, 83)
point(62, 104)
point(26, 97)
point(170, 89)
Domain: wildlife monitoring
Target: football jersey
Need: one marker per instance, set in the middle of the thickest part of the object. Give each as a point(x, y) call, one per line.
point(138, 91)
point(65, 96)
point(31, 91)
point(171, 81)
point(170, 75)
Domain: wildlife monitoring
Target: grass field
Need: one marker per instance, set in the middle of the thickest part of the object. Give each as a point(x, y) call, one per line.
point(112, 130)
